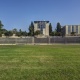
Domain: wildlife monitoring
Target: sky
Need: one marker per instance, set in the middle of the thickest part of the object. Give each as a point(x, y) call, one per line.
point(19, 13)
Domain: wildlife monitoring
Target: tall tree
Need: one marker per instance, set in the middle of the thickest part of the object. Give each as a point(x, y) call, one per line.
point(19, 33)
point(31, 29)
point(20, 30)
point(50, 29)
point(1, 25)
point(58, 29)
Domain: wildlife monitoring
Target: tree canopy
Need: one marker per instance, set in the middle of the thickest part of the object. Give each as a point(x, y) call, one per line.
point(31, 29)
point(50, 29)
point(58, 28)
point(1, 25)
point(37, 32)
point(57, 31)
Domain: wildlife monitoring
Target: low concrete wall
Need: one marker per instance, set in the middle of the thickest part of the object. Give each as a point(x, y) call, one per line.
point(45, 40)
point(16, 40)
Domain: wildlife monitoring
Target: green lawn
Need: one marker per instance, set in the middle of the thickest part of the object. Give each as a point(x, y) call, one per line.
point(55, 62)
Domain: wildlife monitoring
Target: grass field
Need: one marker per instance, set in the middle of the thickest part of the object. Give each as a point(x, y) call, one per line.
point(55, 62)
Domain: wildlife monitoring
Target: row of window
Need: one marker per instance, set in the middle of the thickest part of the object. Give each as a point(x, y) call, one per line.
point(41, 26)
point(72, 29)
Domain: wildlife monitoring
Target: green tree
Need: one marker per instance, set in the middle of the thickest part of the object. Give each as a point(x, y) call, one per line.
point(58, 28)
point(19, 33)
point(50, 29)
point(31, 29)
point(8, 33)
point(0, 34)
point(53, 33)
point(37, 32)
point(14, 31)
point(24, 33)
point(73, 33)
point(1, 25)
point(3, 31)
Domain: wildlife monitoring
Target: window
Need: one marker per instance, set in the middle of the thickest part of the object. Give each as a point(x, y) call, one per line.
point(69, 29)
point(72, 28)
point(41, 26)
point(76, 29)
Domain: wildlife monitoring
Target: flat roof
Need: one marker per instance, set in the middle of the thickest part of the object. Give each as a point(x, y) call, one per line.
point(72, 25)
point(41, 21)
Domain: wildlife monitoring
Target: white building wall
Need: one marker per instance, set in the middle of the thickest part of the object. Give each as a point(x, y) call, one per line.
point(47, 29)
point(79, 29)
point(74, 28)
point(35, 27)
point(71, 29)
point(44, 32)
point(66, 30)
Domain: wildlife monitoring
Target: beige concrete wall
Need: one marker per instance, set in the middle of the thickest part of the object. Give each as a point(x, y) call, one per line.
point(74, 28)
point(35, 27)
point(66, 29)
point(44, 31)
point(71, 29)
point(79, 29)
point(47, 29)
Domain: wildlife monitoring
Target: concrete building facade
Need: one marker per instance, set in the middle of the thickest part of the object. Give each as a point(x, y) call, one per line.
point(68, 29)
point(42, 26)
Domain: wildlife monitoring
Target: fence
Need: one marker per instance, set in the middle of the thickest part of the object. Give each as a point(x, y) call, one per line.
point(16, 40)
point(35, 40)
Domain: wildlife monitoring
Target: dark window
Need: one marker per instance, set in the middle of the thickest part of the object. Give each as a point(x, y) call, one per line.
point(76, 29)
point(41, 26)
point(72, 28)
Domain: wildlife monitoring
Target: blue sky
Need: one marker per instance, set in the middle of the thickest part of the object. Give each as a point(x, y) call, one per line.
point(19, 13)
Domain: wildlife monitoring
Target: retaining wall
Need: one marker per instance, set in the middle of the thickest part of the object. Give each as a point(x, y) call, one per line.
point(35, 40)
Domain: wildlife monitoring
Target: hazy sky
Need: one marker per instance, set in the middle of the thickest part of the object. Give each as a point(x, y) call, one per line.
point(19, 13)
